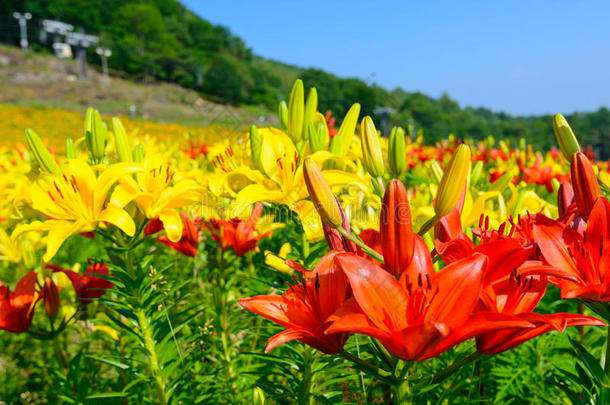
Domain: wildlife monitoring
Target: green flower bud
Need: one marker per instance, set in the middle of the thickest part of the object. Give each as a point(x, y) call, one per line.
point(41, 154)
point(568, 144)
point(316, 137)
point(256, 145)
point(476, 172)
point(282, 115)
point(437, 172)
point(139, 153)
point(503, 182)
point(296, 111)
point(96, 135)
point(121, 141)
point(70, 148)
point(311, 106)
point(341, 142)
point(397, 151)
point(371, 149)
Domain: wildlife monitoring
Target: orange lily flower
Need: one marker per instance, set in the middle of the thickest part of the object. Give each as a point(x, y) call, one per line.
point(17, 307)
point(238, 233)
point(581, 258)
point(304, 309)
point(417, 317)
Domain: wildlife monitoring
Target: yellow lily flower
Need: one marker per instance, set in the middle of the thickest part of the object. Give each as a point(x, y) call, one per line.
point(284, 182)
point(75, 203)
point(155, 193)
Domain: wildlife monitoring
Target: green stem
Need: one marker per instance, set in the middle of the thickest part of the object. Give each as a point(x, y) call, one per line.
point(60, 355)
point(153, 361)
point(305, 397)
point(427, 226)
point(607, 360)
point(304, 245)
point(441, 375)
point(360, 244)
point(369, 368)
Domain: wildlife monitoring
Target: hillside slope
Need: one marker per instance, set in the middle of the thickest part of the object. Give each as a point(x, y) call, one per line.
point(44, 81)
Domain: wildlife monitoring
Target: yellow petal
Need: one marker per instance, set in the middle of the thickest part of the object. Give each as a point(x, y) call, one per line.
point(59, 232)
point(118, 217)
point(172, 223)
point(108, 178)
point(252, 194)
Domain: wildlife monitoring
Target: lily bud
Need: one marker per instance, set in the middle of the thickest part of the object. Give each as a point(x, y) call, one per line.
point(504, 147)
point(437, 172)
point(258, 396)
point(477, 169)
point(70, 149)
point(503, 182)
point(340, 143)
point(139, 153)
point(316, 137)
point(121, 141)
point(282, 115)
point(397, 151)
point(321, 195)
point(568, 144)
point(256, 146)
point(453, 182)
point(586, 187)
point(395, 228)
point(311, 106)
point(96, 135)
point(296, 111)
point(41, 154)
point(371, 149)
point(334, 239)
point(565, 197)
point(51, 298)
point(522, 143)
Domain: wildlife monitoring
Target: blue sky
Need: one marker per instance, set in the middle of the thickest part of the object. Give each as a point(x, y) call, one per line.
point(521, 57)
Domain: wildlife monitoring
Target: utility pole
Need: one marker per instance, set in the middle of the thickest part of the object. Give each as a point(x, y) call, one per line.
point(23, 28)
point(104, 54)
point(82, 42)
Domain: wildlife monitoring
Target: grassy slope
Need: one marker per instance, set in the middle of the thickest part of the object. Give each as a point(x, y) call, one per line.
point(40, 80)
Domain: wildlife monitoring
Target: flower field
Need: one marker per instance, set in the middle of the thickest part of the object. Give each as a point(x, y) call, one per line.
point(316, 262)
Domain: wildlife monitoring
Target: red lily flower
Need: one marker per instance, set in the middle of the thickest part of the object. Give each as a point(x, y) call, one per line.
point(17, 307)
point(582, 259)
point(304, 309)
point(87, 286)
point(586, 187)
point(237, 233)
point(188, 243)
point(519, 296)
point(421, 315)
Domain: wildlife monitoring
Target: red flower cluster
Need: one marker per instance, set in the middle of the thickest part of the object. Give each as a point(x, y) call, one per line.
point(195, 150)
point(237, 233)
point(487, 292)
point(87, 286)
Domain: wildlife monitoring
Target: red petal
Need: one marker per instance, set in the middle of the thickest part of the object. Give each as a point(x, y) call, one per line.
point(459, 285)
point(420, 266)
point(550, 237)
point(378, 293)
point(271, 307)
point(286, 336)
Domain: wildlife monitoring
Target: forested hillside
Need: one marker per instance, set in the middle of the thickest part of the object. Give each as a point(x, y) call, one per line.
point(162, 40)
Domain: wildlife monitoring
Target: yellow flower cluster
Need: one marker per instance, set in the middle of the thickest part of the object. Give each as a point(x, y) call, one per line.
point(116, 172)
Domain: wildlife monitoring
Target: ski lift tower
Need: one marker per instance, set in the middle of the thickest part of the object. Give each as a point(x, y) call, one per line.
point(23, 28)
point(82, 42)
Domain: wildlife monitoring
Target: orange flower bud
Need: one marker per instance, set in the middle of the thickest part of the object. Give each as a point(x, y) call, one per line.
point(395, 227)
point(586, 187)
point(321, 194)
point(565, 197)
point(453, 182)
point(51, 297)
